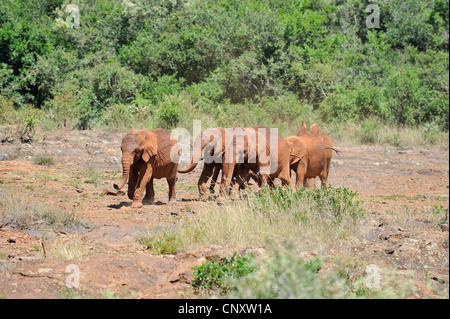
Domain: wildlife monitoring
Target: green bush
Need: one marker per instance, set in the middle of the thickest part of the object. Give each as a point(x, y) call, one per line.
point(284, 275)
point(247, 62)
point(335, 203)
point(162, 243)
point(219, 275)
point(43, 160)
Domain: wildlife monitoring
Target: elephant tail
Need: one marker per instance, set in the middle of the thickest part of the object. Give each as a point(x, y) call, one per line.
point(336, 149)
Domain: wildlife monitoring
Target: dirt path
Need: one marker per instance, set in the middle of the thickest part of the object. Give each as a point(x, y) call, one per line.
point(399, 186)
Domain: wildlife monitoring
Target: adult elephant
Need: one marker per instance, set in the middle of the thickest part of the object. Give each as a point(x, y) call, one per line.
point(146, 155)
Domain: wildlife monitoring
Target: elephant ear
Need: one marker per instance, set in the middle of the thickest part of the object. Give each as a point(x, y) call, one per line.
point(302, 130)
point(315, 130)
point(150, 146)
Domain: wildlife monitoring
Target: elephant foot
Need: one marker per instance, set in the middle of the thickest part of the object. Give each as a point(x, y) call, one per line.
point(136, 204)
point(221, 200)
point(148, 201)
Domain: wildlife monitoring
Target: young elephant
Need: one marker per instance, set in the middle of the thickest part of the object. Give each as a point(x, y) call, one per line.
point(146, 155)
point(310, 155)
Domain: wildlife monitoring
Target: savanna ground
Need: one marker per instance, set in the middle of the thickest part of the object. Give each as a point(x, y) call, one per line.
point(56, 214)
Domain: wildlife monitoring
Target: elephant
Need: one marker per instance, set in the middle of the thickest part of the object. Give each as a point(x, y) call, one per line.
point(311, 154)
point(206, 143)
point(257, 158)
point(241, 149)
point(245, 175)
point(146, 155)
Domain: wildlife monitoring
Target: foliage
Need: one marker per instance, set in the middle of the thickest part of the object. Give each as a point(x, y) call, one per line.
point(275, 62)
point(334, 202)
point(43, 160)
point(284, 275)
point(161, 243)
point(218, 275)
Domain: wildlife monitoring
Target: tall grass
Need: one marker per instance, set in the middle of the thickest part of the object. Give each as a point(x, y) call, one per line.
point(312, 219)
point(29, 215)
point(375, 133)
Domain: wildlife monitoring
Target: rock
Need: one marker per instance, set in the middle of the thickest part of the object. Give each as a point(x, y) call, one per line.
point(112, 160)
point(11, 240)
point(427, 171)
point(4, 157)
point(79, 190)
point(113, 192)
point(440, 278)
point(174, 213)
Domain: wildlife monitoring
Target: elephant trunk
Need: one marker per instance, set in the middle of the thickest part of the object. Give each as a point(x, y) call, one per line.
point(127, 161)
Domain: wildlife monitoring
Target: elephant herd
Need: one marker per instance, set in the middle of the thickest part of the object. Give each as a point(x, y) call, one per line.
point(241, 154)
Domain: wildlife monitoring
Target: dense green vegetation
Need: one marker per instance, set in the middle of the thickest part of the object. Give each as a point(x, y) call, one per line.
point(226, 62)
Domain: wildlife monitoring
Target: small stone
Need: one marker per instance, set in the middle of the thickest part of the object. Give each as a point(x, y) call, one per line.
point(174, 213)
point(11, 240)
point(112, 191)
point(79, 190)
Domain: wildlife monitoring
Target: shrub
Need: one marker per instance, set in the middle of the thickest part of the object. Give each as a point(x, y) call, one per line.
point(284, 275)
point(43, 160)
point(218, 275)
point(166, 242)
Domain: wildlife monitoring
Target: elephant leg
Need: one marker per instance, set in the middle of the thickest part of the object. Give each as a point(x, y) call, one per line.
point(133, 177)
point(286, 181)
point(172, 195)
point(215, 176)
point(263, 179)
point(145, 174)
point(227, 176)
point(150, 193)
point(309, 183)
point(240, 177)
point(246, 175)
point(300, 175)
point(324, 178)
point(285, 176)
point(203, 179)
